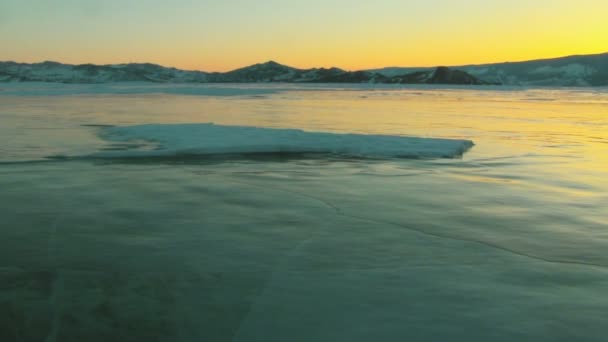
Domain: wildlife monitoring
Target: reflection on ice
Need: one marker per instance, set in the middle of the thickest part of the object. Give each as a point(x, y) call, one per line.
point(507, 243)
point(251, 251)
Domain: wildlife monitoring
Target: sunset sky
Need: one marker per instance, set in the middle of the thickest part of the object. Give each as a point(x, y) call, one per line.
point(219, 35)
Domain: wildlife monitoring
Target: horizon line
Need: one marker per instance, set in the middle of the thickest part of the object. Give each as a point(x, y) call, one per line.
point(300, 68)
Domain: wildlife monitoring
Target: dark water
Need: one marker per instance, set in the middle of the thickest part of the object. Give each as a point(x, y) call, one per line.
point(506, 243)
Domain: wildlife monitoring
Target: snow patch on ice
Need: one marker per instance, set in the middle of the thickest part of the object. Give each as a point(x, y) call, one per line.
point(210, 139)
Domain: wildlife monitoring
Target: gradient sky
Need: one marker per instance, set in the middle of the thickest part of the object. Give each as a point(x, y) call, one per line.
point(218, 35)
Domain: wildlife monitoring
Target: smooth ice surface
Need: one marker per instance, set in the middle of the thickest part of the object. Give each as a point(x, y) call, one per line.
point(134, 88)
point(202, 139)
point(507, 243)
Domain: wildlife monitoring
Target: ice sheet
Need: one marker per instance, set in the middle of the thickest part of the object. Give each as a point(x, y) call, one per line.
point(208, 139)
point(136, 88)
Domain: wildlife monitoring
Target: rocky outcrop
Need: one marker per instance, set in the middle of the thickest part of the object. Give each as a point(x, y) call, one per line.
point(444, 75)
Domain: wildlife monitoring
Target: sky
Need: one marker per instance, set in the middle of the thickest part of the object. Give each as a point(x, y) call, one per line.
point(221, 35)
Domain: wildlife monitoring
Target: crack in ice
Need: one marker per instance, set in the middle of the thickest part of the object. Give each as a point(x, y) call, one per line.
point(341, 212)
point(57, 286)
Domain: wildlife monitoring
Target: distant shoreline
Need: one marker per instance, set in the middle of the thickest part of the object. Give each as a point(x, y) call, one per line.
point(571, 71)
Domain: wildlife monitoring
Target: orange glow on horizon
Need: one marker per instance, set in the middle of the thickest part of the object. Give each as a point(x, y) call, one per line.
point(316, 33)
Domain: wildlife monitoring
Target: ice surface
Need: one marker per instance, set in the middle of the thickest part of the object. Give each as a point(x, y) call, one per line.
point(503, 246)
point(208, 138)
point(135, 88)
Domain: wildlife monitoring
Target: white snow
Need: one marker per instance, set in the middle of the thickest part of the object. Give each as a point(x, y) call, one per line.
point(572, 70)
point(208, 138)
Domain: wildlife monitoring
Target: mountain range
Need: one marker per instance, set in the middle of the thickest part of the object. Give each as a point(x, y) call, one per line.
point(570, 71)
point(587, 70)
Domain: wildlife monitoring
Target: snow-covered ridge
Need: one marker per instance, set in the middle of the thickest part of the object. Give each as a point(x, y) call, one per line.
point(584, 70)
point(264, 72)
point(211, 139)
point(90, 73)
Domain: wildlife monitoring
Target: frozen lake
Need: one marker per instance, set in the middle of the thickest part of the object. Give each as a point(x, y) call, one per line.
point(507, 242)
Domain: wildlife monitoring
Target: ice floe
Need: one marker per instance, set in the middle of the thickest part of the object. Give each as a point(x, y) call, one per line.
point(212, 139)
